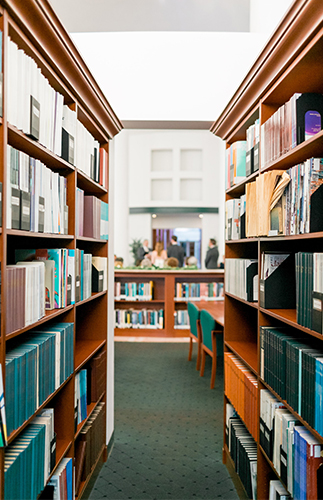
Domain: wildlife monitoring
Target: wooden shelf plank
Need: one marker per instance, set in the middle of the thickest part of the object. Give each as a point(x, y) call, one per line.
point(84, 484)
point(19, 140)
point(153, 301)
point(84, 350)
point(90, 408)
point(89, 185)
point(30, 234)
point(252, 304)
point(239, 189)
point(93, 297)
point(288, 316)
point(247, 351)
point(91, 240)
point(49, 315)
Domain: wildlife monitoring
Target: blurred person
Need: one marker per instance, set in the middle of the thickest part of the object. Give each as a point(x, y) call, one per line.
point(159, 255)
point(143, 251)
point(176, 250)
point(212, 255)
point(172, 262)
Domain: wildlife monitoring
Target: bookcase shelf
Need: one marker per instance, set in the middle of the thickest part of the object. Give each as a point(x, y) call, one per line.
point(164, 283)
point(290, 63)
point(84, 350)
point(252, 304)
point(32, 34)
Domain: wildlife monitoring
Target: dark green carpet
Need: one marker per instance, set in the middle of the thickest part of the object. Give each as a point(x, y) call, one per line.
point(168, 428)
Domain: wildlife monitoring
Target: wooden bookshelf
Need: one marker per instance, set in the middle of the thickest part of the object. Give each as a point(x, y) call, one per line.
point(290, 62)
point(164, 297)
point(36, 29)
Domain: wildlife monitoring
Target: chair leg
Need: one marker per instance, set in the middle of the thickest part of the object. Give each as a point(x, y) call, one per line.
point(198, 361)
point(191, 349)
point(202, 363)
point(213, 373)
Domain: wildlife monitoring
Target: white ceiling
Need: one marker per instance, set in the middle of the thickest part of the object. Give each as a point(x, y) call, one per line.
point(153, 15)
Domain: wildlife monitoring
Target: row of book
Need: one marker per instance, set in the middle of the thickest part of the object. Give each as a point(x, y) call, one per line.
point(135, 318)
point(89, 444)
point(241, 278)
point(242, 157)
point(92, 216)
point(80, 396)
point(243, 451)
point(35, 369)
point(297, 120)
point(50, 279)
point(293, 367)
point(134, 291)
point(96, 377)
point(235, 218)
point(241, 387)
point(296, 454)
point(279, 203)
point(181, 319)
point(198, 291)
point(36, 196)
point(61, 484)
point(31, 458)
point(39, 111)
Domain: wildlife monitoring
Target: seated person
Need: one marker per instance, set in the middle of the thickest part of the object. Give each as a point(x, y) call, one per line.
point(191, 261)
point(145, 263)
point(172, 262)
point(159, 255)
point(118, 262)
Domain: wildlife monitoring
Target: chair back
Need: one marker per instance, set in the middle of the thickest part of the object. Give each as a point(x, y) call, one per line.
point(208, 324)
point(194, 315)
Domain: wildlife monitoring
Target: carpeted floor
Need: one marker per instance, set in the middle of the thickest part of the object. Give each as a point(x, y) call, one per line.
point(168, 428)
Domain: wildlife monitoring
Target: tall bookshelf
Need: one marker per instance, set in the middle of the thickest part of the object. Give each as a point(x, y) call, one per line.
point(37, 31)
point(290, 62)
point(164, 297)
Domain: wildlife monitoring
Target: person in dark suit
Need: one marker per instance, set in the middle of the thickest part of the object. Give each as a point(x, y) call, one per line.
point(143, 251)
point(176, 250)
point(212, 255)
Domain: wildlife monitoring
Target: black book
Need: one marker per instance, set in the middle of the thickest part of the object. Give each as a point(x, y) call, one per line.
point(317, 298)
point(69, 290)
point(34, 118)
point(255, 162)
point(67, 147)
point(97, 280)
point(278, 290)
point(24, 211)
point(248, 163)
point(15, 208)
point(309, 113)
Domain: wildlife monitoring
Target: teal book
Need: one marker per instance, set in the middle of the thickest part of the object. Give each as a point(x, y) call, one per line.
point(56, 256)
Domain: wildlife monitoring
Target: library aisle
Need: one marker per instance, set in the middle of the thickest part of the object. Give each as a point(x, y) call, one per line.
point(168, 428)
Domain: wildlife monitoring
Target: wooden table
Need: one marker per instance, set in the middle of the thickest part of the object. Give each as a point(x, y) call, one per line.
point(215, 308)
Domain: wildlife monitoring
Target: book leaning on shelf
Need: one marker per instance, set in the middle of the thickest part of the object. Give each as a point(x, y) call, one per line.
point(92, 218)
point(31, 458)
point(241, 278)
point(36, 196)
point(35, 368)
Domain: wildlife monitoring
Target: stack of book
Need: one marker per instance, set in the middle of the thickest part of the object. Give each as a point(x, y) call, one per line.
point(61, 484)
point(252, 148)
point(243, 451)
point(96, 377)
point(134, 291)
point(36, 196)
point(297, 120)
point(181, 320)
point(144, 318)
point(241, 388)
point(80, 396)
point(92, 219)
point(293, 368)
point(35, 108)
point(241, 278)
point(90, 444)
point(30, 457)
point(296, 454)
point(235, 218)
point(198, 291)
point(26, 294)
point(236, 163)
point(35, 369)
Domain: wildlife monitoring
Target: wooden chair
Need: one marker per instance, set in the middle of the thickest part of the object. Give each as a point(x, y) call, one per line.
point(209, 330)
point(195, 332)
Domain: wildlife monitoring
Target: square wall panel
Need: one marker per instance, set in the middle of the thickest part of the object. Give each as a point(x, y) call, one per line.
point(161, 160)
point(191, 190)
point(161, 189)
point(191, 160)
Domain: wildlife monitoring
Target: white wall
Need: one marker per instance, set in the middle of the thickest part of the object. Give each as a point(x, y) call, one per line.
point(265, 15)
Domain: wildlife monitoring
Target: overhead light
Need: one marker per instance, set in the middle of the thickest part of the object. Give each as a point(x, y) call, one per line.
point(201, 216)
point(154, 216)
